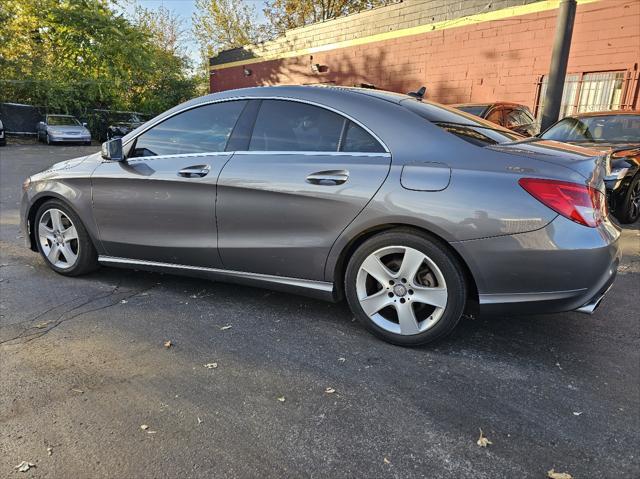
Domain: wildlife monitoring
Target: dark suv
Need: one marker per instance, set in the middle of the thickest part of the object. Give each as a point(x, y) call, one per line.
point(510, 115)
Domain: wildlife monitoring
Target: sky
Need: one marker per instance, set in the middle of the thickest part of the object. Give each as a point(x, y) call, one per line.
point(185, 9)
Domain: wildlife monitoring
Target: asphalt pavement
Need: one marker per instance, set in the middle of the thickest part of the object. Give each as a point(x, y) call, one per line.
point(88, 388)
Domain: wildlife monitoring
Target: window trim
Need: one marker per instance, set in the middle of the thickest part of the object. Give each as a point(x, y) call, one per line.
point(249, 98)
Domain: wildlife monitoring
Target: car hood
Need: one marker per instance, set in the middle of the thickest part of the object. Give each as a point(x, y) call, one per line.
point(580, 159)
point(68, 129)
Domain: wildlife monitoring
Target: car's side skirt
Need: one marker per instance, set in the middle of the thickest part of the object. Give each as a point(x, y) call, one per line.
point(317, 289)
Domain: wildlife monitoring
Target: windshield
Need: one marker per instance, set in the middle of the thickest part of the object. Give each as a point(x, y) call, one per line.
point(125, 117)
point(62, 120)
point(465, 126)
point(477, 110)
point(606, 129)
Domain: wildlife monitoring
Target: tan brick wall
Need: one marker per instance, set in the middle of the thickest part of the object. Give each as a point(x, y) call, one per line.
point(488, 61)
point(396, 16)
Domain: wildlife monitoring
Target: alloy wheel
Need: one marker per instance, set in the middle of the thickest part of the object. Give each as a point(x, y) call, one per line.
point(401, 290)
point(634, 201)
point(58, 238)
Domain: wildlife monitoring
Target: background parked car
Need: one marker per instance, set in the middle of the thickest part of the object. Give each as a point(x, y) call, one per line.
point(510, 115)
point(122, 124)
point(3, 138)
point(618, 134)
point(62, 128)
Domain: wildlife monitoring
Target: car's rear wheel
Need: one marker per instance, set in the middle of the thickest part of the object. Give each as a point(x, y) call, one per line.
point(629, 209)
point(63, 240)
point(405, 287)
point(48, 139)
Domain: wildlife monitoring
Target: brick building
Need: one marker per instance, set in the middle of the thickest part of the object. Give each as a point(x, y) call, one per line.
point(462, 51)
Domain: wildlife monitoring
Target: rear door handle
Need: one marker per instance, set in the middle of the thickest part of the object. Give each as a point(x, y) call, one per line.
point(197, 171)
point(328, 178)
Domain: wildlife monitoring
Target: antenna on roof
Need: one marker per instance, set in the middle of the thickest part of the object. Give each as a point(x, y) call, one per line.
point(418, 95)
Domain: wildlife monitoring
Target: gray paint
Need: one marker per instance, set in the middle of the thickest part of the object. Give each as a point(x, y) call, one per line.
point(256, 214)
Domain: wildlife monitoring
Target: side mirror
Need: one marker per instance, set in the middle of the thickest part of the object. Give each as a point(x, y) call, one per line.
point(112, 150)
point(85, 124)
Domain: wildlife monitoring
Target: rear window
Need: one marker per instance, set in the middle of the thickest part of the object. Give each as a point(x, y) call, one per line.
point(465, 126)
point(477, 110)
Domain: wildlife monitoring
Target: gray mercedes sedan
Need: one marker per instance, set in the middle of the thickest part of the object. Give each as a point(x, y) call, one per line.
point(414, 212)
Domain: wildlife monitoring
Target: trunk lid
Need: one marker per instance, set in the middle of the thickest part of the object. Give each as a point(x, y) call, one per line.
point(589, 163)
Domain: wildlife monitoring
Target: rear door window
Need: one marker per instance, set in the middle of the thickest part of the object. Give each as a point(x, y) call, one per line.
point(356, 139)
point(283, 125)
point(495, 116)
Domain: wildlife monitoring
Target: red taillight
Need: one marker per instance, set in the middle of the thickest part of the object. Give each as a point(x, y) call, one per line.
point(579, 203)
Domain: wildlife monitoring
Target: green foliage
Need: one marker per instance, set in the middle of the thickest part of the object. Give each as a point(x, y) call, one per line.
point(73, 55)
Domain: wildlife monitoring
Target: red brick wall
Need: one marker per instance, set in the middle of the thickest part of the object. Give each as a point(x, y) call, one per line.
point(495, 60)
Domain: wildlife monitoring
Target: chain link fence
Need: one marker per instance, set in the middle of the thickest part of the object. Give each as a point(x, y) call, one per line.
point(19, 119)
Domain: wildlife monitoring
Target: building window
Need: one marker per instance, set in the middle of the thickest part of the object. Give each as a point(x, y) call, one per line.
point(585, 92)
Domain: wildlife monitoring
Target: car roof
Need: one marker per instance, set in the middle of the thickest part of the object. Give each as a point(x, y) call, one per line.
point(492, 104)
point(604, 113)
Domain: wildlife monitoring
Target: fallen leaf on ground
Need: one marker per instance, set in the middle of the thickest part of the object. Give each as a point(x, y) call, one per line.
point(49, 451)
point(168, 344)
point(483, 441)
point(386, 461)
point(577, 413)
point(224, 328)
point(124, 301)
point(42, 325)
point(558, 475)
point(76, 390)
point(151, 432)
point(199, 421)
point(329, 390)
point(281, 399)
point(211, 365)
point(144, 427)
point(24, 466)
point(342, 360)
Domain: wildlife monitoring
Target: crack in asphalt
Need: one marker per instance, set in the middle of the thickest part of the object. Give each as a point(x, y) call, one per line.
point(62, 319)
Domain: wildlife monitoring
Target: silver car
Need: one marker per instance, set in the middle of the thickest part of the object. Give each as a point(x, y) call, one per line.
point(412, 211)
point(62, 128)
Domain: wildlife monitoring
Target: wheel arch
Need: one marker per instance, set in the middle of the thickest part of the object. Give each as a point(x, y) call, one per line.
point(340, 266)
point(33, 210)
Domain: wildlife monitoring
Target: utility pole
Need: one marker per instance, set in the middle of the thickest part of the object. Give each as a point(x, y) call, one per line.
point(559, 59)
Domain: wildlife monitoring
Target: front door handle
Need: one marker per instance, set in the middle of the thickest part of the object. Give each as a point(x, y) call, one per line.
point(328, 178)
point(197, 171)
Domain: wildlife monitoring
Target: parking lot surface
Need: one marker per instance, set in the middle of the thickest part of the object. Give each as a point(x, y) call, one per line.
point(83, 367)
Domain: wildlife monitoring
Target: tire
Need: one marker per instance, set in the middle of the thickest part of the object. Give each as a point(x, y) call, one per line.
point(58, 234)
point(48, 139)
point(402, 293)
point(628, 210)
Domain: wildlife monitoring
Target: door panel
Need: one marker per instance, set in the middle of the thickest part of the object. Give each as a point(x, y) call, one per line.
point(145, 209)
point(280, 212)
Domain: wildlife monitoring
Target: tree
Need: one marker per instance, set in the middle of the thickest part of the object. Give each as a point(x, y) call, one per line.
point(164, 26)
point(73, 55)
point(286, 14)
point(223, 24)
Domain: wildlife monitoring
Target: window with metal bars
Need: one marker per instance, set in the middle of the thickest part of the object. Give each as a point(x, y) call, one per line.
point(587, 92)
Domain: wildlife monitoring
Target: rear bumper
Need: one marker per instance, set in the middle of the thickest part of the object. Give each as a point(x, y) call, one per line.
point(561, 267)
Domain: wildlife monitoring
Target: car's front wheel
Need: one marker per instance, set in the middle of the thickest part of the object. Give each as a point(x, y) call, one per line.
point(406, 287)
point(63, 240)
